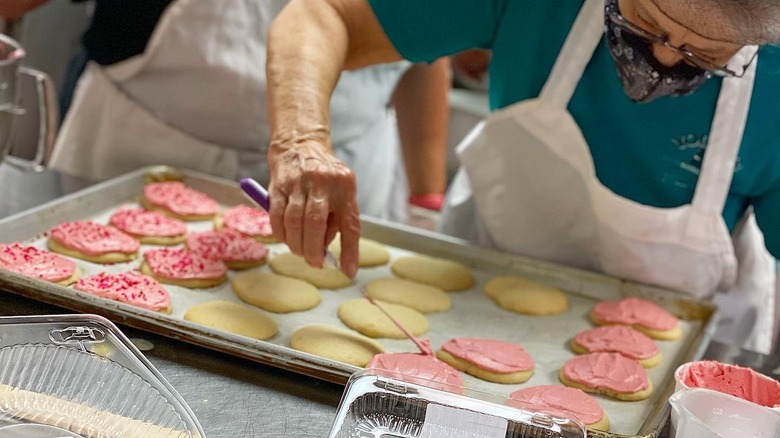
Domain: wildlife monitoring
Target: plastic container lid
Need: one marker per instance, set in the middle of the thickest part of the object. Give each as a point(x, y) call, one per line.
point(379, 403)
point(78, 375)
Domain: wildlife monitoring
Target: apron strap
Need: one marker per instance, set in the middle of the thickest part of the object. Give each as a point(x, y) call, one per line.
point(581, 42)
point(725, 139)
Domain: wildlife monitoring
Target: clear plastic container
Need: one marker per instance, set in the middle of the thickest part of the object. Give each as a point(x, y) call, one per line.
point(78, 375)
point(379, 404)
point(746, 383)
point(703, 413)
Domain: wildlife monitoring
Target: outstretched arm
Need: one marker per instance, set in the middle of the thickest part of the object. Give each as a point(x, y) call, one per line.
point(313, 194)
point(422, 110)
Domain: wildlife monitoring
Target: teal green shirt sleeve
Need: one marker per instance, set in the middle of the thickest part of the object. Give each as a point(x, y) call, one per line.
point(423, 30)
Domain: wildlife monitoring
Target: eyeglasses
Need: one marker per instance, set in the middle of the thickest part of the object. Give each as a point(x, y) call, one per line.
point(689, 56)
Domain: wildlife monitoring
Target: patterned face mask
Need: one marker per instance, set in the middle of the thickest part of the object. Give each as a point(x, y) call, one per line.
point(644, 78)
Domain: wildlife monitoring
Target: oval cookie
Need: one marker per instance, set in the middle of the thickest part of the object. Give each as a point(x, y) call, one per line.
point(526, 297)
point(336, 344)
point(371, 253)
point(420, 297)
point(291, 265)
point(359, 314)
point(446, 274)
point(275, 293)
point(232, 317)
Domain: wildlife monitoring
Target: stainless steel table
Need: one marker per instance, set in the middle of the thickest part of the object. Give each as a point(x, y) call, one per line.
point(233, 397)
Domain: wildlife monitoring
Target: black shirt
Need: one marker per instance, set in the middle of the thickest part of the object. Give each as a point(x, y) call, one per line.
point(120, 29)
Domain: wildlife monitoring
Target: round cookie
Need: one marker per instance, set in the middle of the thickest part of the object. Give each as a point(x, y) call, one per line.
point(562, 398)
point(618, 339)
point(488, 359)
point(174, 199)
point(235, 250)
point(93, 242)
point(149, 227)
point(420, 297)
point(291, 265)
point(182, 267)
point(336, 344)
point(359, 314)
point(446, 274)
point(609, 374)
point(275, 293)
point(371, 253)
point(38, 263)
point(421, 369)
point(526, 297)
point(643, 315)
point(128, 287)
point(234, 318)
point(248, 221)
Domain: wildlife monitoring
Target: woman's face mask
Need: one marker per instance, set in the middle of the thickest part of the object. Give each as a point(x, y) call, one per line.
point(644, 78)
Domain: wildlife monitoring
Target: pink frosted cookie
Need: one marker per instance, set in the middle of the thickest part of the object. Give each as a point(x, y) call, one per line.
point(645, 316)
point(149, 227)
point(618, 339)
point(562, 398)
point(610, 374)
point(488, 359)
point(93, 242)
point(250, 222)
point(183, 268)
point(422, 369)
point(37, 263)
point(128, 287)
point(175, 199)
point(237, 251)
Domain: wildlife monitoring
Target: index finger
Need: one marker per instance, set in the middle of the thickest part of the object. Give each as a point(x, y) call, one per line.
point(349, 226)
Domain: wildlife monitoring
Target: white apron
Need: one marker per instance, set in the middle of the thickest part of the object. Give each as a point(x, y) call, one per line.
point(196, 99)
point(528, 186)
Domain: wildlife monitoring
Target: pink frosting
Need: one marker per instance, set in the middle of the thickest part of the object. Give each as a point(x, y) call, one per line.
point(612, 371)
point(34, 262)
point(180, 199)
point(419, 368)
point(247, 221)
point(93, 239)
point(572, 400)
point(490, 354)
point(182, 264)
point(226, 245)
point(635, 311)
point(140, 222)
point(127, 287)
point(617, 339)
point(735, 380)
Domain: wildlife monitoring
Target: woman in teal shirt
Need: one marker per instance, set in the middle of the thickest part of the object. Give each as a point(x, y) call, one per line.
point(646, 102)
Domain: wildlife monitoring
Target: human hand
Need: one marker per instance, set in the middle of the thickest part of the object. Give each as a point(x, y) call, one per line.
point(13, 9)
point(314, 196)
point(430, 201)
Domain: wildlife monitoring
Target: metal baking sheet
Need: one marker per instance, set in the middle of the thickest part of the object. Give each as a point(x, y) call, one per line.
point(472, 314)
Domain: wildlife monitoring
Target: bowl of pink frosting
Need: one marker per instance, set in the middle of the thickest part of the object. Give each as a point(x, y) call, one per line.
point(735, 380)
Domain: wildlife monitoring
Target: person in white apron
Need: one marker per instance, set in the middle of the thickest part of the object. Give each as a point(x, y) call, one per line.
point(502, 197)
point(196, 98)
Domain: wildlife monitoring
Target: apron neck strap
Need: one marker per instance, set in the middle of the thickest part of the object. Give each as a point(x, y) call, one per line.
point(725, 138)
point(581, 42)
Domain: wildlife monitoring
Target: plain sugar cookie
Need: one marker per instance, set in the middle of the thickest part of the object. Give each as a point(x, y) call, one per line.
point(291, 265)
point(520, 295)
point(359, 314)
point(446, 274)
point(275, 293)
point(336, 344)
point(371, 253)
point(234, 318)
point(420, 297)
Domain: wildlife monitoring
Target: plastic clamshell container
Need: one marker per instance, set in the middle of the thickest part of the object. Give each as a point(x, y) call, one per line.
point(79, 376)
point(703, 413)
point(382, 404)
